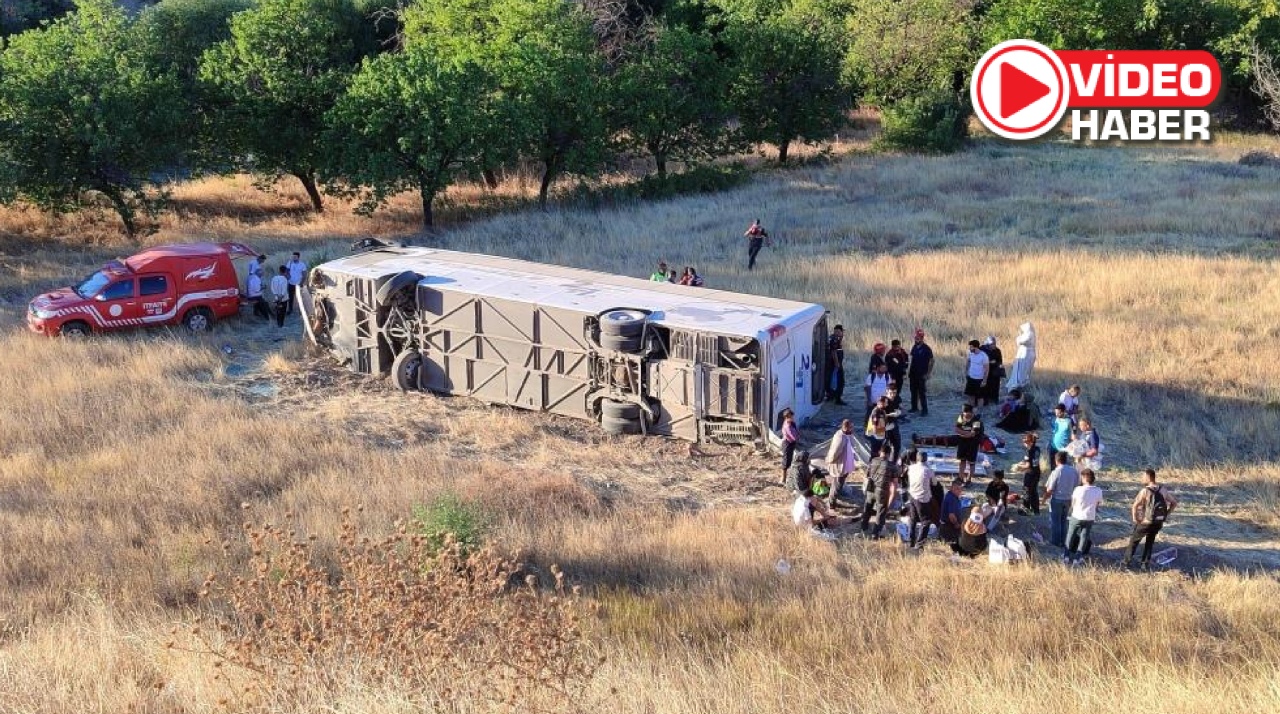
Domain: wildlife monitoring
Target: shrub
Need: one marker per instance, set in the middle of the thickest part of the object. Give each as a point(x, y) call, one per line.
point(450, 517)
point(934, 122)
point(440, 625)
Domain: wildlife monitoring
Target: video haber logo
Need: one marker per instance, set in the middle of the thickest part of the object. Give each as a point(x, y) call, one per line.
point(1021, 90)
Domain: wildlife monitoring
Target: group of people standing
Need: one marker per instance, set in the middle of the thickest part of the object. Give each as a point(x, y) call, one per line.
point(283, 287)
point(1071, 493)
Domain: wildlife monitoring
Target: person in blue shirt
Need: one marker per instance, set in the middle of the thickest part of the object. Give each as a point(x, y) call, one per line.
point(952, 513)
point(1061, 431)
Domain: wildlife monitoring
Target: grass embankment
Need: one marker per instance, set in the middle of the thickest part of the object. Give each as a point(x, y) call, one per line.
point(1151, 277)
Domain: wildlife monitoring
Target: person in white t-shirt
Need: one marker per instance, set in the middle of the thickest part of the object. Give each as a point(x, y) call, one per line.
point(920, 481)
point(876, 385)
point(280, 295)
point(1084, 511)
point(1070, 398)
point(977, 365)
point(253, 293)
point(297, 271)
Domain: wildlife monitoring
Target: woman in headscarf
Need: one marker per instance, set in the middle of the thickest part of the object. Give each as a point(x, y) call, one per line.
point(1025, 360)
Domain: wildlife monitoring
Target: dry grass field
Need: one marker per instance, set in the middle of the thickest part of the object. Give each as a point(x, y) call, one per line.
point(1152, 278)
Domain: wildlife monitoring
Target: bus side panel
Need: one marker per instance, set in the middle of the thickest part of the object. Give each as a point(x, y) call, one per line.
point(673, 384)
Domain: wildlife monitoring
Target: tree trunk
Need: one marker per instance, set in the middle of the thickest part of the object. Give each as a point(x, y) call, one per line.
point(308, 179)
point(123, 209)
point(782, 151)
point(428, 196)
point(548, 175)
point(490, 179)
point(660, 158)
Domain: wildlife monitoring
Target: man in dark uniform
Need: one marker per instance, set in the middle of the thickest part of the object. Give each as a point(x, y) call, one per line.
point(918, 374)
point(835, 365)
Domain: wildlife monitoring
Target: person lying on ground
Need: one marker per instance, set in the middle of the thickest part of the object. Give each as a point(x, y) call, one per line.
point(989, 444)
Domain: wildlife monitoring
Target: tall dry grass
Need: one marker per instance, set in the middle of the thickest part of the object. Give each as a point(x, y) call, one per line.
point(1151, 276)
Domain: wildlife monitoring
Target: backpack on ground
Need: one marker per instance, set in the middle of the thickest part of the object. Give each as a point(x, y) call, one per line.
point(1159, 506)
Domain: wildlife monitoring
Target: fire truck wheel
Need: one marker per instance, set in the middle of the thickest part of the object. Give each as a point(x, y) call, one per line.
point(74, 330)
point(198, 319)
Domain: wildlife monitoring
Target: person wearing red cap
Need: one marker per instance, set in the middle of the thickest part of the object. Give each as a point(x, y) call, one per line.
point(918, 373)
point(877, 357)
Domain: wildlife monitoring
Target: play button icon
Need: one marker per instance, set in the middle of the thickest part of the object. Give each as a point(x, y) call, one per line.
point(1020, 89)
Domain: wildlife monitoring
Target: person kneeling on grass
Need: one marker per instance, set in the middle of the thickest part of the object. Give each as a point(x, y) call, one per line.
point(973, 534)
point(810, 509)
point(952, 513)
point(997, 494)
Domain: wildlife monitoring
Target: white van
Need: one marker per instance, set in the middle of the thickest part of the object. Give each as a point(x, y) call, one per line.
point(633, 355)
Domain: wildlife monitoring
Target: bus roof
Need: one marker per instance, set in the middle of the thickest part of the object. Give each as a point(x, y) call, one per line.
point(587, 291)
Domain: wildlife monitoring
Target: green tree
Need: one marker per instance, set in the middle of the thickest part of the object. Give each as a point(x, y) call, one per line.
point(81, 112)
point(282, 70)
point(542, 53)
point(413, 120)
point(670, 97)
point(787, 68)
point(909, 48)
point(1069, 24)
point(176, 34)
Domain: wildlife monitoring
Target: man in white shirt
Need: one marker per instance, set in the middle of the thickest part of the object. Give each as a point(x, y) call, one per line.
point(920, 480)
point(253, 292)
point(1084, 511)
point(976, 368)
point(297, 271)
point(1070, 398)
point(280, 290)
point(255, 266)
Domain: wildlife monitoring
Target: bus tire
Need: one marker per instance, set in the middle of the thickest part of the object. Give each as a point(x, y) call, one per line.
point(401, 281)
point(622, 322)
point(614, 409)
point(620, 343)
point(406, 371)
point(616, 426)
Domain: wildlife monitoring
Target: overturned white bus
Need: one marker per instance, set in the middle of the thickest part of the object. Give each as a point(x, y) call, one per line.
point(632, 355)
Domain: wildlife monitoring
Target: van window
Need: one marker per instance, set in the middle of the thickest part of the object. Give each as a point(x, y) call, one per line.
point(153, 285)
point(119, 290)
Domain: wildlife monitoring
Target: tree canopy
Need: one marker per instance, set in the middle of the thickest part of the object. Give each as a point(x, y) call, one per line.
point(83, 113)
